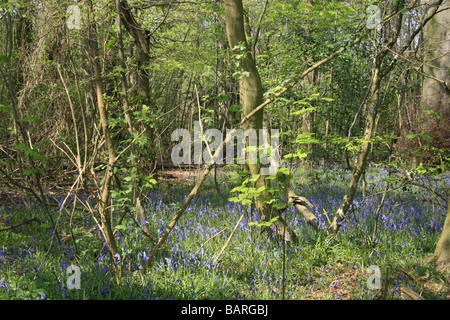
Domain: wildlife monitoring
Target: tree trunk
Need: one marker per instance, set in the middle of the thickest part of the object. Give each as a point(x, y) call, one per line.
point(142, 38)
point(441, 256)
point(310, 79)
point(252, 96)
point(370, 113)
point(435, 86)
point(142, 41)
point(106, 223)
point(137, 195)
point(436, 97)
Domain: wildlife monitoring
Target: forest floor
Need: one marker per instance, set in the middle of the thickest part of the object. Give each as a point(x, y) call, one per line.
point(33, 264)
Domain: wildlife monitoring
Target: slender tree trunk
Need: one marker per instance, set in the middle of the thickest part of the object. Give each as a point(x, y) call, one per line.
point(137, 195)
point(142, 38)
point(106, 223)
point(370, 113)
point(252, 96)
point(308, 120)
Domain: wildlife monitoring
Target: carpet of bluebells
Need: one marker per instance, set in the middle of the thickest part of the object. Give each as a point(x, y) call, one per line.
point(251, 267)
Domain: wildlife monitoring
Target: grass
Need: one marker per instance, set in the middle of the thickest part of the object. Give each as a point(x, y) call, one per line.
point(317, 267)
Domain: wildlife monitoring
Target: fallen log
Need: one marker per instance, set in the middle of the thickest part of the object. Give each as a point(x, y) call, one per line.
point(408, 294)
point(300, 203)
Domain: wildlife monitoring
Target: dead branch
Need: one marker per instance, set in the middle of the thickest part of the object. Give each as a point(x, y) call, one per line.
point(300, 204)
point(20, 224)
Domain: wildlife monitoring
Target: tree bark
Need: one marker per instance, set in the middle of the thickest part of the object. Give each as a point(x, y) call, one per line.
point(252, 96)
point(137, 195)
point(435, 85)
point(370, 113)
point(441, 256)
point(105, 224)
point(436, 97)
point(142, 39)
point(308, 120)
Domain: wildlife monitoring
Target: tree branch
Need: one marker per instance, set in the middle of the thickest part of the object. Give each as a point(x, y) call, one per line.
point(20, 224)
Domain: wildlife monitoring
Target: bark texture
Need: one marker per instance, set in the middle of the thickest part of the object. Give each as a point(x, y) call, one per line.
point(436, 82)
point(441, 256)
point(251, 97)
point(105, 218)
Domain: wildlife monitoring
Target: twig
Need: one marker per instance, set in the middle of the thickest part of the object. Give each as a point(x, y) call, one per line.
point(229, 239)
point(377, 213)
point(20, 224)
point(326, 215)
point(218, 233)
point(131, 143)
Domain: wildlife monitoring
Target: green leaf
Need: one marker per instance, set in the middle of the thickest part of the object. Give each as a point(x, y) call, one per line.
point(391, 179)
point(236, 189)
point(265, 223)
point(421, 271)
point(284, 171)
point(302, 102)
point(313, 96)
point(260, 189)
point(426, 137)
point(131, 157)
point(302, 111)
point(5, 108)
point(18, 292)
point(120, 69)
point(29, 119)
point(4, 59)
point(28, 172)
point(121, 227)
point(37, 155)
point(433, 113)
point(29, 151)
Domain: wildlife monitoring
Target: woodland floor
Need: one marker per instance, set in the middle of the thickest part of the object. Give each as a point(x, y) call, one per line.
point(316, 268)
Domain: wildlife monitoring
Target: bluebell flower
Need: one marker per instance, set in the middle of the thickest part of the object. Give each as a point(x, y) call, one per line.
point(169, 262)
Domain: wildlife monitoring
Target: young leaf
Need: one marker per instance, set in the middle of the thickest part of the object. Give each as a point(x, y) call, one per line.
point(4, 59)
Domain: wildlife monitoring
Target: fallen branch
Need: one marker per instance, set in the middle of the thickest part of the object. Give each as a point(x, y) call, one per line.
point(408, 294)
point(300, 204)
point(20, 224)
point(211, 238)
point(229, 239)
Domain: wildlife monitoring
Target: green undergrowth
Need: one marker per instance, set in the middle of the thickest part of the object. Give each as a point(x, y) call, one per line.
point(33, 264)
